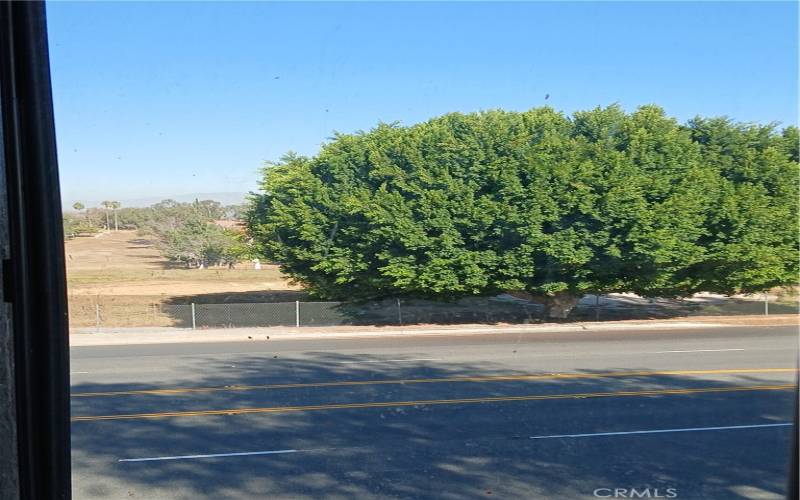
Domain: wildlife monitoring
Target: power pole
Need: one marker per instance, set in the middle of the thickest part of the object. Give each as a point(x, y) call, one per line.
point(107, 205)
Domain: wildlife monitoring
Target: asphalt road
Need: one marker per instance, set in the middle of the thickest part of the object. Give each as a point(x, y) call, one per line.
point(681, 414)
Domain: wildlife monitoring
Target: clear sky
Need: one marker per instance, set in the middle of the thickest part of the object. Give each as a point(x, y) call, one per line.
point(157, 99)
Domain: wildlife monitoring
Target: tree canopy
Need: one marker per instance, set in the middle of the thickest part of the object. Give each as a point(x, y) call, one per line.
point(553, 205)
point(187, 233)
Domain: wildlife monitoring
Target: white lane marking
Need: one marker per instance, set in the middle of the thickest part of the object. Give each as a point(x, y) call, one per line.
point(659, 431)
point(213, 455)
point(76, 373)
point(389, 361)
point(697, 350)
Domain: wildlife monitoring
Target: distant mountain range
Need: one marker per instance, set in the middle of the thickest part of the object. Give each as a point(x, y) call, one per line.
point(224, 198)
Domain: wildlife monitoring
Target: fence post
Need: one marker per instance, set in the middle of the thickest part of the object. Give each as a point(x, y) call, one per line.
point(194, 318)
point(399, 312)
point(297, 313)
point(766, 303)
point(97, 317)
point(597, 307)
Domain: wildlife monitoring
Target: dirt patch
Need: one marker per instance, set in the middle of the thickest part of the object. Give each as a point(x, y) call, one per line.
point(115, 250)
point(126, 276)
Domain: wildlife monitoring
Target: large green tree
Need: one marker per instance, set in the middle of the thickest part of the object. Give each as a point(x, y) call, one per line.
point(537, 202)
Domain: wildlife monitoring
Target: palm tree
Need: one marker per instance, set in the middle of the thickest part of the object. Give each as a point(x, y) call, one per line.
point(114, 206)
point(107, 205)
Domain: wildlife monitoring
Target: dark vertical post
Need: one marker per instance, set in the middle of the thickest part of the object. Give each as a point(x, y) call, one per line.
point(399, 313)
point(597, 307)
point(36, 279)
point(9, 466)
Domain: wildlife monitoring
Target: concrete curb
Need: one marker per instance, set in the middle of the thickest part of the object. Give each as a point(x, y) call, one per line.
point(133, 336)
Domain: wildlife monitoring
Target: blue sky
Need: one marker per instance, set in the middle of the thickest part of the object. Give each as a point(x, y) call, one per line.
point(158, 99)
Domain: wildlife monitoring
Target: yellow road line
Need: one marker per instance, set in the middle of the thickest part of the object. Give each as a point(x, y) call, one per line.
point(488, 378)
point(346, 406)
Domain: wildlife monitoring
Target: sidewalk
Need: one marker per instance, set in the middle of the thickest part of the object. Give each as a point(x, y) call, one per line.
point(167, 335)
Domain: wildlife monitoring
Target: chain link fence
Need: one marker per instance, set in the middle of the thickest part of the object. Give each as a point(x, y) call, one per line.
point(302, 314)
point(241, 315)
point(480, 310)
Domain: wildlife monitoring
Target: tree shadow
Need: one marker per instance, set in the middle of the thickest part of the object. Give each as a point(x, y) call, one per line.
point(425, 450)
point(141, 242)
point(166, 264)
point(250, 297)
point(279, 308)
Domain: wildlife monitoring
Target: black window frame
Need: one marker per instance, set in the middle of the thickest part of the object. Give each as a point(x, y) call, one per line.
point(34, 277)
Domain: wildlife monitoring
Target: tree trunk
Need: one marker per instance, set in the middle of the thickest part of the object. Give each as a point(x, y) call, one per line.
point(559, 305)
point(556, 306)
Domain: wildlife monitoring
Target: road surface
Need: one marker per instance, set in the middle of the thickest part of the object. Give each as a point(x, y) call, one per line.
point(686, 414)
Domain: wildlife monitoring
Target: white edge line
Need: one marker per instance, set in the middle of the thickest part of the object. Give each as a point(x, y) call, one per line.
point(658, 431)
point(214, 455)
point(654, 431)
point(76, 373)
point(698, 350)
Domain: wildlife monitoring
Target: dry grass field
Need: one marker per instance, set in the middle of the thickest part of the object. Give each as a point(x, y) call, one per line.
point(127, 276)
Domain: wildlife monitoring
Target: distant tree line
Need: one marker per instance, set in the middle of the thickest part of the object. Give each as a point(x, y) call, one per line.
point(186, 233)
point(537, 202)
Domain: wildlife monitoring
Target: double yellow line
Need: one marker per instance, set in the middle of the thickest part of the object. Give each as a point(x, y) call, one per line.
point(488, 378)
point(429, 402)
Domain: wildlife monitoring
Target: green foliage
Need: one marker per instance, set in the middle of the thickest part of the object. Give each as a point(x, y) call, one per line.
point(78, 225)
point(187, 233)
point(199, 243)
point(168, 214)
point(602, 201)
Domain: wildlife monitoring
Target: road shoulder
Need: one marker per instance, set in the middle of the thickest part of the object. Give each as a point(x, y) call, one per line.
point(133, 336)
